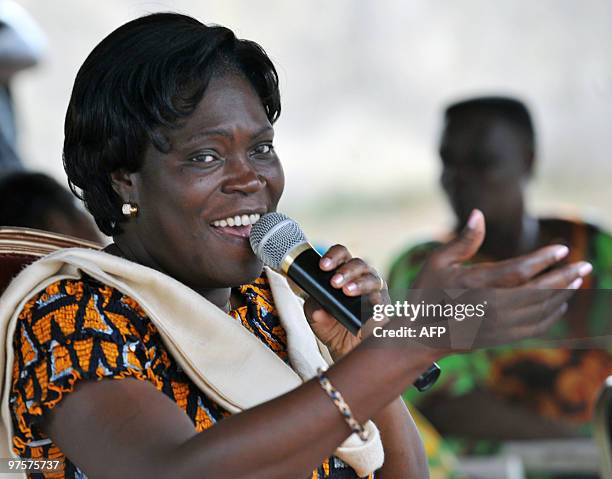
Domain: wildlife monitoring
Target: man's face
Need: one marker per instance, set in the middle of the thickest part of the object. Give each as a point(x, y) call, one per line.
point(485, 163)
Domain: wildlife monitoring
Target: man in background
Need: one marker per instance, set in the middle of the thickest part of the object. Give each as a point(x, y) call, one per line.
point(488, 150)
point(35, 200)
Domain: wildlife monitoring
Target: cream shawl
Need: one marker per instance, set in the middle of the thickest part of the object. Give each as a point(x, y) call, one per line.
point(224, 360)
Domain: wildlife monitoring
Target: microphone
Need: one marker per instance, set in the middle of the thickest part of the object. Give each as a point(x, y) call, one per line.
point(280, 243)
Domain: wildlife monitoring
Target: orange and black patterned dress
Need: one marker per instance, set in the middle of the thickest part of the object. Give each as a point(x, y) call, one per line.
point(84, 330)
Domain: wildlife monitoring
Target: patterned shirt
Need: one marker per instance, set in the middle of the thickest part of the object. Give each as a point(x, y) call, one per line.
point(82, 330)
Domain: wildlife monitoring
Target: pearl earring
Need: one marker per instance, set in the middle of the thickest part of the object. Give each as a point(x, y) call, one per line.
point(129, 209)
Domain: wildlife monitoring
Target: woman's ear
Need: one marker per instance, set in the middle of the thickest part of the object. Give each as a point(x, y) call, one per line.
point(123, 184)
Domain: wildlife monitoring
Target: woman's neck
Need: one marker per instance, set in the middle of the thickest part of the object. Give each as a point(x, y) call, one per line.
point(220, 297)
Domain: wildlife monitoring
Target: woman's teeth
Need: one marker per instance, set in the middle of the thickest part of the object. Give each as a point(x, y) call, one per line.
point(237, 220)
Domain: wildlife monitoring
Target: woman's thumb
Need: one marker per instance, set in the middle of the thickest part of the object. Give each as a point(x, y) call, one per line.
point(467, 243)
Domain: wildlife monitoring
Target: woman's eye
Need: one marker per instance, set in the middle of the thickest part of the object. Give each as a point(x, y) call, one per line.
point(204, 158)
point(264, 149)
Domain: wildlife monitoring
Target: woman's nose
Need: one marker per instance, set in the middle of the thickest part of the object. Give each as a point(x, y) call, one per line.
point(242, 177)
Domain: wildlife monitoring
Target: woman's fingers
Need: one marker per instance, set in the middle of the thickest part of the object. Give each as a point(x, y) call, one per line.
point(334, 257)
point(365, 283)
point(515, 271)
point(346, 274)
point(510, 299)
point(563, 281)
point(569, 276)
point(534, 309)
point(313, 311)
point(353, 275)
point(537, 328)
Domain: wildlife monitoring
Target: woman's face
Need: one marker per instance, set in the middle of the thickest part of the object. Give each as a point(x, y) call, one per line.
point(221, 165)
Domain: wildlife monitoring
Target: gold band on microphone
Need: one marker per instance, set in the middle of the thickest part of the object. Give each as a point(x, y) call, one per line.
point(294, 253)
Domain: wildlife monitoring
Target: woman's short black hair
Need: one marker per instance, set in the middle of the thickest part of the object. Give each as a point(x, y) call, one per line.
point(146, 75)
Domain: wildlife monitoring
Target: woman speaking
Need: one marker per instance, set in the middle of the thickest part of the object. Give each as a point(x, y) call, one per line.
point(217, 373)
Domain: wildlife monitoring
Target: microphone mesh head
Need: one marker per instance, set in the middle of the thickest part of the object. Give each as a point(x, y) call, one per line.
point(273, 236)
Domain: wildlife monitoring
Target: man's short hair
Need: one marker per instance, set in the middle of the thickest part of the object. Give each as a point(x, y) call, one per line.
point(509, 109)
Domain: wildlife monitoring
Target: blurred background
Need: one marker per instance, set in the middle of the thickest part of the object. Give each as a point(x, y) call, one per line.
point(363, 85)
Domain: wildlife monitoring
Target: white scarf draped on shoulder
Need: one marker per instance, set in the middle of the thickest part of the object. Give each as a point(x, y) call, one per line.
point(200, 337)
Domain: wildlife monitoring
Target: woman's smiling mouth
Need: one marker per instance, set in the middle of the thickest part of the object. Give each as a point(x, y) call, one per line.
point(237, 225)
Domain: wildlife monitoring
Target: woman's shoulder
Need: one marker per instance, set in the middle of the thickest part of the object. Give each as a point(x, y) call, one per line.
point(73, 330)
point(80, 307)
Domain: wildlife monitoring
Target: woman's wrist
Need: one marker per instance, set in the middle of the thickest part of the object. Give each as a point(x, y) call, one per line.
point(406, 351)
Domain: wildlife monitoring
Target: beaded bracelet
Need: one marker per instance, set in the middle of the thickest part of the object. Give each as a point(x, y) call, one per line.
point(341, 404)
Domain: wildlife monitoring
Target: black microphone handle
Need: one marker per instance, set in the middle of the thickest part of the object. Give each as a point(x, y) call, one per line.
point(307, 274)
point(304, 270)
